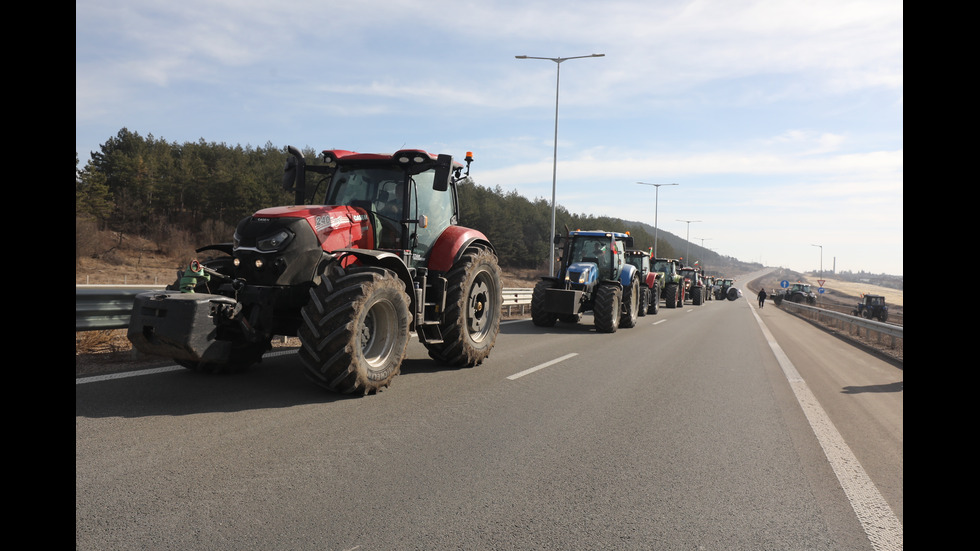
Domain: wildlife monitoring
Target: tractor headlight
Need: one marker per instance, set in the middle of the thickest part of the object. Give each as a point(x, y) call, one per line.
point(576, 277)
point(274, 242)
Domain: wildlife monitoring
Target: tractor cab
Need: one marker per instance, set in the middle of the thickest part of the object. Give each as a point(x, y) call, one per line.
point(404, 201)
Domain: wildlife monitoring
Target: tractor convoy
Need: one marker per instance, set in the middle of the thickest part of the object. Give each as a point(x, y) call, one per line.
point(370, 253)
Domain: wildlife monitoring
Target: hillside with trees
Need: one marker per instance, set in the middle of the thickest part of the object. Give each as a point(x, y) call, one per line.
point(179, 196)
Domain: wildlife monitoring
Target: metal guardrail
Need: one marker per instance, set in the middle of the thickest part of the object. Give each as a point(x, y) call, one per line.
point(516, 297)
point(852, 325)
point(100, 307)
point(103, 307)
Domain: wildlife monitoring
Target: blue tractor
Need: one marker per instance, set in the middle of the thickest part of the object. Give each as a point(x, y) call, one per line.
point(593, 275)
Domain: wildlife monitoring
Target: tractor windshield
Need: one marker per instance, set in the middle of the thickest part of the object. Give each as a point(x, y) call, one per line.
point(380, 190)
point(595, 250)
point(373, 189)
point(663, 266)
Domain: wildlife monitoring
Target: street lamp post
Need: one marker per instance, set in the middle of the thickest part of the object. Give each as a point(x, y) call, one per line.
point(688, 239)
point(656, 201)
point(821, 258)
point(554, 169)
point(703, 239)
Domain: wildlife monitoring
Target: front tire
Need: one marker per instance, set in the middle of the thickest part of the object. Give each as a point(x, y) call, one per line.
point(540, 316)
point(472, 317)
point(355, 331)
point(606, 308)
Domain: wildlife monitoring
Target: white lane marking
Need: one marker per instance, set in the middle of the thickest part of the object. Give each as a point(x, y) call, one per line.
point(658, 322)
point(541, 366)
point(877, 518)
point(155, 370)
point(109, 377)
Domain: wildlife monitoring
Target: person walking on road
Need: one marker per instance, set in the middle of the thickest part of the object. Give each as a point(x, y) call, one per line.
point(762, 298)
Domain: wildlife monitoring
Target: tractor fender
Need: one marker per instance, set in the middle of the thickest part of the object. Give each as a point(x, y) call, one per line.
point(382, 259)
point(451, 244)
point(627, 274)
point(651, 280)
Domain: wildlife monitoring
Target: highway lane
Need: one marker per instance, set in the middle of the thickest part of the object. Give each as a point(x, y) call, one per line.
point(682, 432)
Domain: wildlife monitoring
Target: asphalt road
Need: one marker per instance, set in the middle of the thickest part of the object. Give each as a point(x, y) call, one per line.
point(718, 426)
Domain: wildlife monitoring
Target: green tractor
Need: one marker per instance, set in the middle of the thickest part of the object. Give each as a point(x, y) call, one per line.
point(725, 289)
point(673, 289)
point(593, 275)
point(798, 292)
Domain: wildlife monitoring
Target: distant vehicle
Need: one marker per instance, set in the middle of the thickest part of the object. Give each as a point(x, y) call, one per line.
point(722, 288)
point(649, 284)
point(709, 287)
point(672, 282)
point(798, 293)
point(872, 307)
point(694, 284)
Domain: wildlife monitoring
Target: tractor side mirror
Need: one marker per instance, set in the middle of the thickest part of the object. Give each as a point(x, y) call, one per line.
point(289, 174)
point(294, 174)
point(444, 165)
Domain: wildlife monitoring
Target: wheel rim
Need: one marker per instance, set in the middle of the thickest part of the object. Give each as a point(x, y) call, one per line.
point(377, 333)
point(479, 307)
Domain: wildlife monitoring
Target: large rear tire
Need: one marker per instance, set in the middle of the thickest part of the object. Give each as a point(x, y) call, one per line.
point(644, 300)
point(472, 317)
point(670, 295)
point(697, 296)
point(631, 304)
point(606, 308)
point(355, 331)
point(654, 307)
point(540, 316)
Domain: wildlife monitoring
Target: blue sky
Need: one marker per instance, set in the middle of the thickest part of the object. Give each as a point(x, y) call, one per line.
point(781, 121)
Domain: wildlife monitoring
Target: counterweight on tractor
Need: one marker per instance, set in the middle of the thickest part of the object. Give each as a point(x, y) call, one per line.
point(370, 252)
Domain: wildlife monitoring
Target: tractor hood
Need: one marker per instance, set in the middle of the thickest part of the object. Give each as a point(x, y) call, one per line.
point(582, 273)
point(336, 227)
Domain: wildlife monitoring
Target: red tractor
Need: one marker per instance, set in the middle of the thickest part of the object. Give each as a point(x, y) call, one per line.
point(375, 254)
